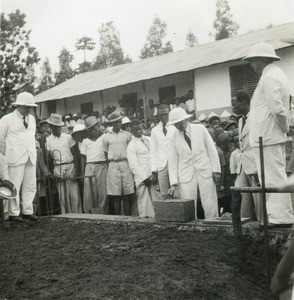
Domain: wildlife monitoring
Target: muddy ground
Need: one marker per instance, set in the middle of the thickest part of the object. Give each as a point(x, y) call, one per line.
point(74, 259)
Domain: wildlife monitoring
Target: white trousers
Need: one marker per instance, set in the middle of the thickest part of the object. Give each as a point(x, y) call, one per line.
point(24, 178)
point(251, 205)
point(145, 203)
point(68, 190)
point(279, 206)
point(207, 188)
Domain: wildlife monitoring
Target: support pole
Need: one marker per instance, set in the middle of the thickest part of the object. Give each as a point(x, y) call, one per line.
point(144, 102)
point(102, 101)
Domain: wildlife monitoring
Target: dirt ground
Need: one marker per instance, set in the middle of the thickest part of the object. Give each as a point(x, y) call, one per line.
point(77, 259)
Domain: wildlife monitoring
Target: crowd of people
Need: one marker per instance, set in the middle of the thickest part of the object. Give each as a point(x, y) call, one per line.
point(116, 163)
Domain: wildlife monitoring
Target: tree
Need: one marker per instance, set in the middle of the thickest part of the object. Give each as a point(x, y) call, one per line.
point(66, 71)
point(17, 57)
point(85, 43)
point(154, 45)
point(223, 25)
point(47, 79)
point(191, 39)
point(110, 53)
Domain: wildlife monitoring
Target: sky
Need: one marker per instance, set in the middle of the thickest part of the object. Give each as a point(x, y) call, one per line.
point(55, 24)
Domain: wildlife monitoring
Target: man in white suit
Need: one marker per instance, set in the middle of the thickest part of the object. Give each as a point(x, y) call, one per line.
point(251, 205)
point(158, 149)
point(138, 154)
point(193, 161)
point(17, 135)
point(269, 119)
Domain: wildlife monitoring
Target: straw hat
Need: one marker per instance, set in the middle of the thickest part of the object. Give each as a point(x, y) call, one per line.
point(261, 50)
point(177, 115)
point(90, 122)
point(115, 116)
point(125, 120)
point(25, 99)
point(55, 120)
point(78, 128)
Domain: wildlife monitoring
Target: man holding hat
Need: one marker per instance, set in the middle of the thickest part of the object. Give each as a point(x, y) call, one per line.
point(159, 149)
point(59, 144)
point(193, 161)
point(269, 119)
point(17, 135)
point(94, 163)
point(120, 181)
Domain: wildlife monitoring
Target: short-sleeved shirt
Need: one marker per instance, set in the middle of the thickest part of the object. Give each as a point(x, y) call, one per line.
point(190, 104)
point(63, 145)
point(115, 144)
point(93, 150)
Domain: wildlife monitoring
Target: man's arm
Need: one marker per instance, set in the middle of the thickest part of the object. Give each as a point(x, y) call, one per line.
point(3, 134)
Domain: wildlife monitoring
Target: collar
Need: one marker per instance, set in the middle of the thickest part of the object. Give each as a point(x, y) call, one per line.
point(267, 68)
point(20, 115)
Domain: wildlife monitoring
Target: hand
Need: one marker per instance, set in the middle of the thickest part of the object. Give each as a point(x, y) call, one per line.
point(147, 181)
point(154, 178)
point(172, 189)
point(216, 178)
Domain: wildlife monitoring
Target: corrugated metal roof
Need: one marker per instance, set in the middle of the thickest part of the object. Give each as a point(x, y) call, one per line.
point(193, 58)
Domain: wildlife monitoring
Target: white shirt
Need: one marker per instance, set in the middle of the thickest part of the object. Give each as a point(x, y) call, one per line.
point(235, 161)
point(190, 104)
point(93, 150)
point(159, 146)
point(138, 154)
point(62, 146)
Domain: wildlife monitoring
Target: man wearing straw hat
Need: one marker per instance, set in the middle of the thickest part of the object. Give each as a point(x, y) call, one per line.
point(17, 134)
point(269, 119)
point(193, 161)
point(120, 181)
point(94, 163)
point(58, 145)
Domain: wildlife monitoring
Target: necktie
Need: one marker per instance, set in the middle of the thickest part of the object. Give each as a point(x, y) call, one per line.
point(164, 130)
point(146, 143)
point(243, 122)
point(187, 139)
point(25, 122)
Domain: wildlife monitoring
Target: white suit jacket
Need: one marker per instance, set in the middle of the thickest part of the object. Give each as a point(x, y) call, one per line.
point(158, 146)
point(19, 142)
point(138, 155)
point(269, 109)
point(182, 160)
point(247, 156)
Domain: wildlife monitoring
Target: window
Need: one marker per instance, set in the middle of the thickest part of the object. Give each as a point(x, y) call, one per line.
point(51, 105)
point(243, 77)
point(167, 93)
point(130, 100)
point(87, 108)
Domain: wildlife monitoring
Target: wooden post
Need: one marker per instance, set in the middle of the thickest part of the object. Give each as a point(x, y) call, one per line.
point(102, 101)
point(144, 102)
point(194, 91)
point(65, 105)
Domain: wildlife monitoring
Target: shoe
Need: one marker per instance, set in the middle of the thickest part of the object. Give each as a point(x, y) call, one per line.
point(15, 219)
point(29, 217)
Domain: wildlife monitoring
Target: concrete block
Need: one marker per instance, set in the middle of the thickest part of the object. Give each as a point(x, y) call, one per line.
point(174, 210)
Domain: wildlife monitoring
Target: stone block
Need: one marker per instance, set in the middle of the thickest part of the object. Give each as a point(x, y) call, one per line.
point(174, 210)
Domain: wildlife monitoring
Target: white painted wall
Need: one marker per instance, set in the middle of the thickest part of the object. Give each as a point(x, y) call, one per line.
point(213, 89)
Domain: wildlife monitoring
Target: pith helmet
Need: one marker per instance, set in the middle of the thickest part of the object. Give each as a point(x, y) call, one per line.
point(25, 99)
point(262, 50)
point(176, 115)
point(7, 189)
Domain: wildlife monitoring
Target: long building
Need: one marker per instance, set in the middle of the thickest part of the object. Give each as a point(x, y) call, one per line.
point(214, 71)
